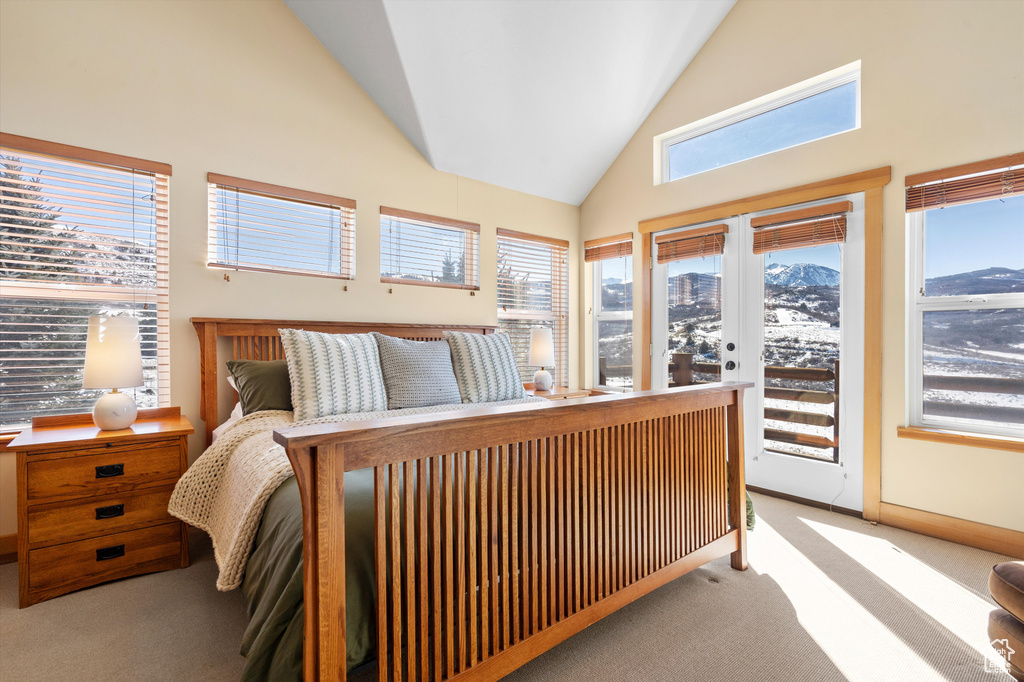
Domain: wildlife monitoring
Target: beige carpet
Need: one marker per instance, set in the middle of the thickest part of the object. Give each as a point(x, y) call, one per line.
point(827, 597)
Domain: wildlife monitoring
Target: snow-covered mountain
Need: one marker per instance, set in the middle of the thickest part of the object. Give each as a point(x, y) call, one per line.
point(801, 275)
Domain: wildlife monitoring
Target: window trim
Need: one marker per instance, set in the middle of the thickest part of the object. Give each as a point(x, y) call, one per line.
point(918, 304)
point(850, 73)
point(472, 243)
point(600, 315)
point(347, 229)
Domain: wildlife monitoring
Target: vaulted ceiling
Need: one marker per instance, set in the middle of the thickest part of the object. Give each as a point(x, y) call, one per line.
point(536, 96)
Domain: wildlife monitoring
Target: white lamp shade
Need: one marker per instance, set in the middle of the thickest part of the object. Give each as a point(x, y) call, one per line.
point(542, 347)
point(113, 353)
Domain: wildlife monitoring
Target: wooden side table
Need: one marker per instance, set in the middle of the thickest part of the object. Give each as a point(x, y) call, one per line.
point(559, 393)
point(92, 505)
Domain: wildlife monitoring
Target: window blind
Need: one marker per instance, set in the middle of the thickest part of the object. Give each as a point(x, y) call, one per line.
point(533, 291)
point(269, 228)
point(427, 250)
point(83, 233)
point(700, 243)
point(801, 228)
point(1003, 176)
point(608, 247)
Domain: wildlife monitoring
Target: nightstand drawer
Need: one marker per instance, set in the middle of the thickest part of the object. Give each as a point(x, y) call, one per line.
point(66, 521)
point(78, 564)
point(111, 470)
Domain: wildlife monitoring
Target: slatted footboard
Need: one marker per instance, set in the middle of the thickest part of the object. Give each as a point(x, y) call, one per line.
point(500, 533)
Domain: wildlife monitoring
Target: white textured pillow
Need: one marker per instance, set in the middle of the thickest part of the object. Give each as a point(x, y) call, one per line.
point(333, 373)
point(485, 367)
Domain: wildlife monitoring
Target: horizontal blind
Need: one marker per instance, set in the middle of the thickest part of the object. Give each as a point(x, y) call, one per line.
point(269, 228)
point(416, 248)
point(707, 241)
point(609, 247)
point(963, 184)
point(78, 239)
point(533, 291)
point(825, 224)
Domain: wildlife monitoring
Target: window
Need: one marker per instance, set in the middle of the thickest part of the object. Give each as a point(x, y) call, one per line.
point(83, 233)
point(268, 228)
point(612, 264)
point(814, 109)
point(694, 297)
point(966, 297)
point(533, 291)
point(427, 250)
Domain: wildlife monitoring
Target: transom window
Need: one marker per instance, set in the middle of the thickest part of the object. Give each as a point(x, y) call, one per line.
point(533, 291)
point(966, 291)
point(811, 110)
point(82, 233)
point(611, 261)
point(422, 249)
point(269, 228)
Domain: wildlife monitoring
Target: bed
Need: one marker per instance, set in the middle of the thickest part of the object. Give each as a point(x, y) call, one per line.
point(461, 543)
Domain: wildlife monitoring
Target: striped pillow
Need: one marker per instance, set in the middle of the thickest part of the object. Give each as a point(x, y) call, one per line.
point(333, 373)
point(485, 367)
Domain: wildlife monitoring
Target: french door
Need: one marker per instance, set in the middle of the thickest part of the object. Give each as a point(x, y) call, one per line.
point(780, 305)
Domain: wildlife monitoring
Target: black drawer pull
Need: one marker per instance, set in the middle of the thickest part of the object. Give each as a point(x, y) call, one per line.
point(105, 553)
point(110, 512)
point(109, 470)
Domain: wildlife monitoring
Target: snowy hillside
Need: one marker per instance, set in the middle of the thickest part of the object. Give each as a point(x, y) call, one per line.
point(801, 275)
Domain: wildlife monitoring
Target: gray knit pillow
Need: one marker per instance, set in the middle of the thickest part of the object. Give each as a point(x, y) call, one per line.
point(485, 367)
point(417, 373)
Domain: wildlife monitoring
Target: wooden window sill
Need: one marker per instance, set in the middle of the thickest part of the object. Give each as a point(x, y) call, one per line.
point(960, 438)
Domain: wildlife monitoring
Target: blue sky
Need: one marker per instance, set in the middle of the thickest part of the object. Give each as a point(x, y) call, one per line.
point(974, 236)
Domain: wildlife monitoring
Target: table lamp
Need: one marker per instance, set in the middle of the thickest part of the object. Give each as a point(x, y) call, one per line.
point(542, 354)
point(113, 359)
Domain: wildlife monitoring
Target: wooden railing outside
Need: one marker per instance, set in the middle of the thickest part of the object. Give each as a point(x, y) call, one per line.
point(500, 533)
point(966, 410)
point(682, 369)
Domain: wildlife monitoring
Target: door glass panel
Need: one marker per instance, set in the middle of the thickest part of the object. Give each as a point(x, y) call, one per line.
point(801, 351)
point(694, 320)
point(974, 366)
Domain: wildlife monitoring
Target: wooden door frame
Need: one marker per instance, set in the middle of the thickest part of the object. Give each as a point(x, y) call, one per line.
point(870, 183)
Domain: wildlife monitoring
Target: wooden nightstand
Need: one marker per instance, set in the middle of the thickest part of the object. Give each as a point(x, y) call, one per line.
point(558, 393)
point(92, 505)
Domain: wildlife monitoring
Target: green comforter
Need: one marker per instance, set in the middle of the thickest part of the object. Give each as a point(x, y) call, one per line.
point(273, 582)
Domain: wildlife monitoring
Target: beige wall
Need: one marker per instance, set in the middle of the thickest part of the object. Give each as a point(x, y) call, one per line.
point(943, 84)
point(242, 88)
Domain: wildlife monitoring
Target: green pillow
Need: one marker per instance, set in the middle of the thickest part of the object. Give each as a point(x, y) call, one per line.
point(262, 384)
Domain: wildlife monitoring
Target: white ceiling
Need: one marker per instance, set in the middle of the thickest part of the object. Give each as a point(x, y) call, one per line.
point(537, 96)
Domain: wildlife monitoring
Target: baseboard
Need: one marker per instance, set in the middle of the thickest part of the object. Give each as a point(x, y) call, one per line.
point(961, 531)
point(8, 548)
point(801, 500)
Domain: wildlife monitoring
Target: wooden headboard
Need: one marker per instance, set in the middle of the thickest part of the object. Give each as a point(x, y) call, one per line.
point(259, 340)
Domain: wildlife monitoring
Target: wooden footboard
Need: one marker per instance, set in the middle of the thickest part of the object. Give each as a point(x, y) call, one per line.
point(500, 533)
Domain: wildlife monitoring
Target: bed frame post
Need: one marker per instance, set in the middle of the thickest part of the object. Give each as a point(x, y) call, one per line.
point(320, 473)
point(737, 481)
point(207, 333)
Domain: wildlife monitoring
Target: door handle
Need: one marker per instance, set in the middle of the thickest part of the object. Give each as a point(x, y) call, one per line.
point(730, 346)
point(730, 365)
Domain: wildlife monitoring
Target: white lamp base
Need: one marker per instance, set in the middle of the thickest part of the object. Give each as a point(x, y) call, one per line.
point(542, 380)
point(114, 411)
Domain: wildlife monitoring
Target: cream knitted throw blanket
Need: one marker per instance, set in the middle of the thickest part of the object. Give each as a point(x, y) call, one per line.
point(225, 491)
